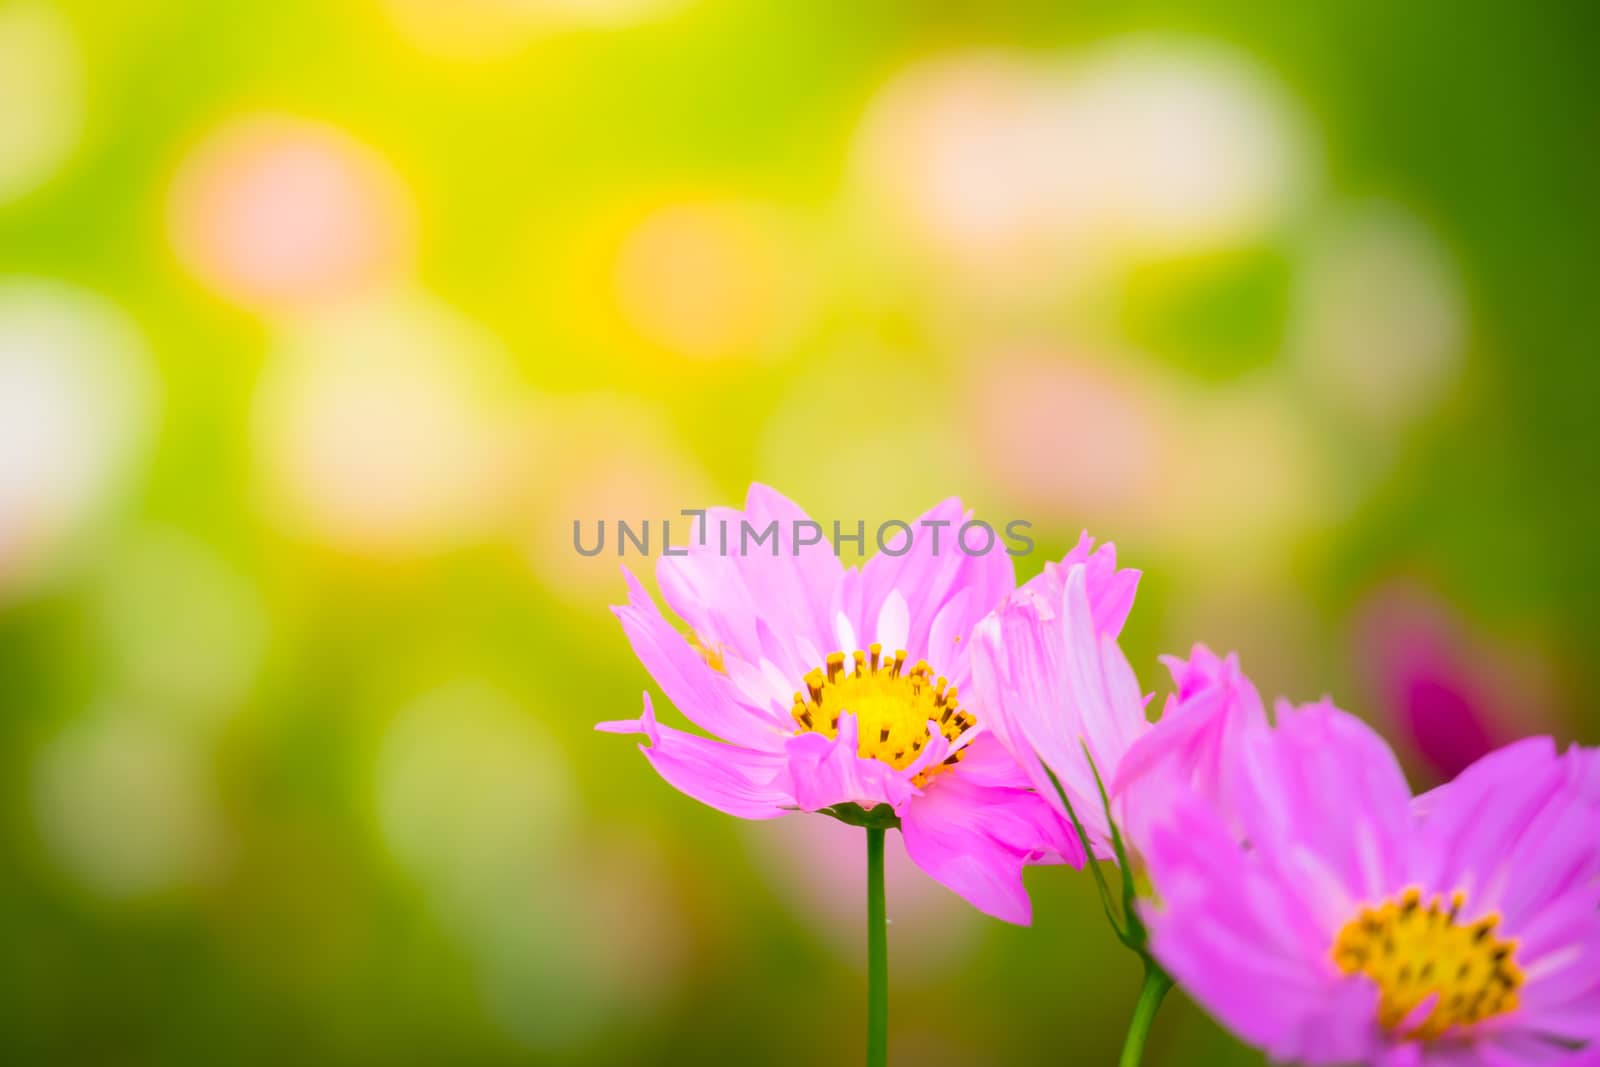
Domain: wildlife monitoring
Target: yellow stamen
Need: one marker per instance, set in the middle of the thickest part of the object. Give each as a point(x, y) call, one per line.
point(711, 654)
point(1414, 951)
point(892, 706)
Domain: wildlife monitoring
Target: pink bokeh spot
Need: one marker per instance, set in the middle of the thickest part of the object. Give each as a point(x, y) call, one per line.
point(1451, 694)
point(1066, 435)
point(278, 213)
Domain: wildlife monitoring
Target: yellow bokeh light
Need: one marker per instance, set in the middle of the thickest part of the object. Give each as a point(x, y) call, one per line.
point(42, 84)
point(378, 426)
point(709, 279)
point(480, 30)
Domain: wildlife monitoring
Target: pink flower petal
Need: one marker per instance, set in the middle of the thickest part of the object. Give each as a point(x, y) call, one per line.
point(976, 839)
point(741, 782)
point(706, 698)
point(1195, 748)
point(827, 771)
point(928, 579)
point(725, 595)
point(1110, 590)
point(1051, 681)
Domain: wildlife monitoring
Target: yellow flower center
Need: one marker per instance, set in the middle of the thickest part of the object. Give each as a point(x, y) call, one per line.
point(892, 706)
point(1415, 951)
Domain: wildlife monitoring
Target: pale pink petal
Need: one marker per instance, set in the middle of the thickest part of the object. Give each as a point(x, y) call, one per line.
point(844, 634)
point(1110, 591)
point(724, 592)
point(708, 699)
point(929, 579)
point(761, 685)
point(1014, 681)
point(1049, 679)
point(816, 568)
point(1105, 710)
point(894, 623)
point(951, 627)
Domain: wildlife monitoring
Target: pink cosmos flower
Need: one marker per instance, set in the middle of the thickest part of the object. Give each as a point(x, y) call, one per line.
point(827, 687)
point(1056, 684)
point(1355, 925)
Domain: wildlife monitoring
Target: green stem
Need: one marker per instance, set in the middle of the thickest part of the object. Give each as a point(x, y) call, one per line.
point(877, 954)
point(1156, 984)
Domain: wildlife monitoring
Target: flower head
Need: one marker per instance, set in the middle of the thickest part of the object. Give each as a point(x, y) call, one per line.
point(1351, 924)
point(845, 690)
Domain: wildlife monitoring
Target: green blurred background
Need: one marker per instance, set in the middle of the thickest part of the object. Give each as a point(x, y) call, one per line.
point(320, 323)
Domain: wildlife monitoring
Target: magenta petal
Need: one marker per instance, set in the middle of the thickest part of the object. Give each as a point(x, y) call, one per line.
point(1563, 989)
point(1323, 777)
point(1531, 755)
point(1516, 830)
point(975, 841)
point(738, 781)
point(1195, 750)
point(1583, 773)
point(985, 761)
point(1519, 1048)
point(827, 771)
point(1236, 935)
point(1245, 921)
